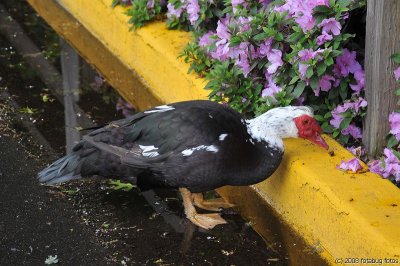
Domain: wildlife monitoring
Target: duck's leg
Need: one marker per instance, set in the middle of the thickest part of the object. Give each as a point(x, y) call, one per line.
point(211, 204)
point(207, 220)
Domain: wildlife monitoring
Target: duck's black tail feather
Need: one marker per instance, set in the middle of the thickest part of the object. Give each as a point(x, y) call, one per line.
point(64, 169)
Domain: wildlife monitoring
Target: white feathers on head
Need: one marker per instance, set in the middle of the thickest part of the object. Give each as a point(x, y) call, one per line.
point(276, 124)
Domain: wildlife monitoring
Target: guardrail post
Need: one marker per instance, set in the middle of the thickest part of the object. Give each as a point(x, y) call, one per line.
point(382, 40)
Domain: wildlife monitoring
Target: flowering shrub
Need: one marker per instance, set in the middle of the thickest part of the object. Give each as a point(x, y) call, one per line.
point(285, 52)
point(141, 11)
point(261, 54)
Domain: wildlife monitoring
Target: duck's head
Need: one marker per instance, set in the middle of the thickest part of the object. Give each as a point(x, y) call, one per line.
point(308, 128)
point(287, 122)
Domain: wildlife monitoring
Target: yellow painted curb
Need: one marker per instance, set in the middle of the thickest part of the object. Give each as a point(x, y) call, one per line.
point(341, 215)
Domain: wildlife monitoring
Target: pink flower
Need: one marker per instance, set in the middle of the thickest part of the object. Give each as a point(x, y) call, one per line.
point(244, 23)
point(235, 3)
point(238, 2)
point(205, 40)
point(389, 167)
point(376, 166)
point(222, 48)
point(243, 63)
point(264, 48)
point(302, 11)
point(337, 112)
point(222, 30)
point(346, 63)
point(356, 151)
point(324, 37)
point(125, 107)
point(397, 73)
point(172, 12)
point(275, 58)
point(265, 3)
point(150, 4)
point(360, 103)
point(302, 70)
point(351, 165)
point(270, 88)
point(193, 9)
point(330, 25)
point(324, 84)
point(306, 22)
point(353, 131)
point(307, 54)
point(392, 164)
point(359, 76)
point(394, 120)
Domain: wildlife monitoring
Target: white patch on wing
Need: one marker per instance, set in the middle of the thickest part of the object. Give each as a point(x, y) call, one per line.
point(210, 148)
point(160, 109)
point(222, 136)
point(149, 151)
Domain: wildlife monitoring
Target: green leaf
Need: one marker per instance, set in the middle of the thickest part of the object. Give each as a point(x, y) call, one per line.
point(319, 18)
point(271, 18)
point(347, 36)
point(314, 83)
point(319, 118)
point(327, 128)
point(310, 72)
point(396, 153)
point(261, 36)
point(345, 122)
point(396, 58)
point(328, 115)
point(392, 142)
point(28, 110)
point(336, 44)
point(322, 9)
point(328, 61)
point(293, 80)
point(336, 53)
point(344, 138)
point(295, 36)
point(118, 185)
point(335, 133)
point(321, 68)
point(234, 41)
point(299, 89)
point(279, 37)
point(344, 3)
point(343, 89)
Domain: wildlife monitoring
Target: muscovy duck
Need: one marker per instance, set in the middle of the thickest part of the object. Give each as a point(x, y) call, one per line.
point(195, 146)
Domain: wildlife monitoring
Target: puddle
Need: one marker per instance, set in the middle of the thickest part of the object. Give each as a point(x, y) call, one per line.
point(139, 228)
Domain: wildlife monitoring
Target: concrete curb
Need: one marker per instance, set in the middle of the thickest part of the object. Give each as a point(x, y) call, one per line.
point(347, 218)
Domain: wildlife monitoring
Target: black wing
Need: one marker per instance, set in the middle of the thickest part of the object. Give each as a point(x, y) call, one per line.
point(200, 145)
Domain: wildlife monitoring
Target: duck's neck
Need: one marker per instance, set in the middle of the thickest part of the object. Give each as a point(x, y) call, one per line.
point(272, 128)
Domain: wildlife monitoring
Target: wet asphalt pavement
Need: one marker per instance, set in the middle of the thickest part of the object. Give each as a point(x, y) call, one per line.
point(90, 222)
point(33, 224)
